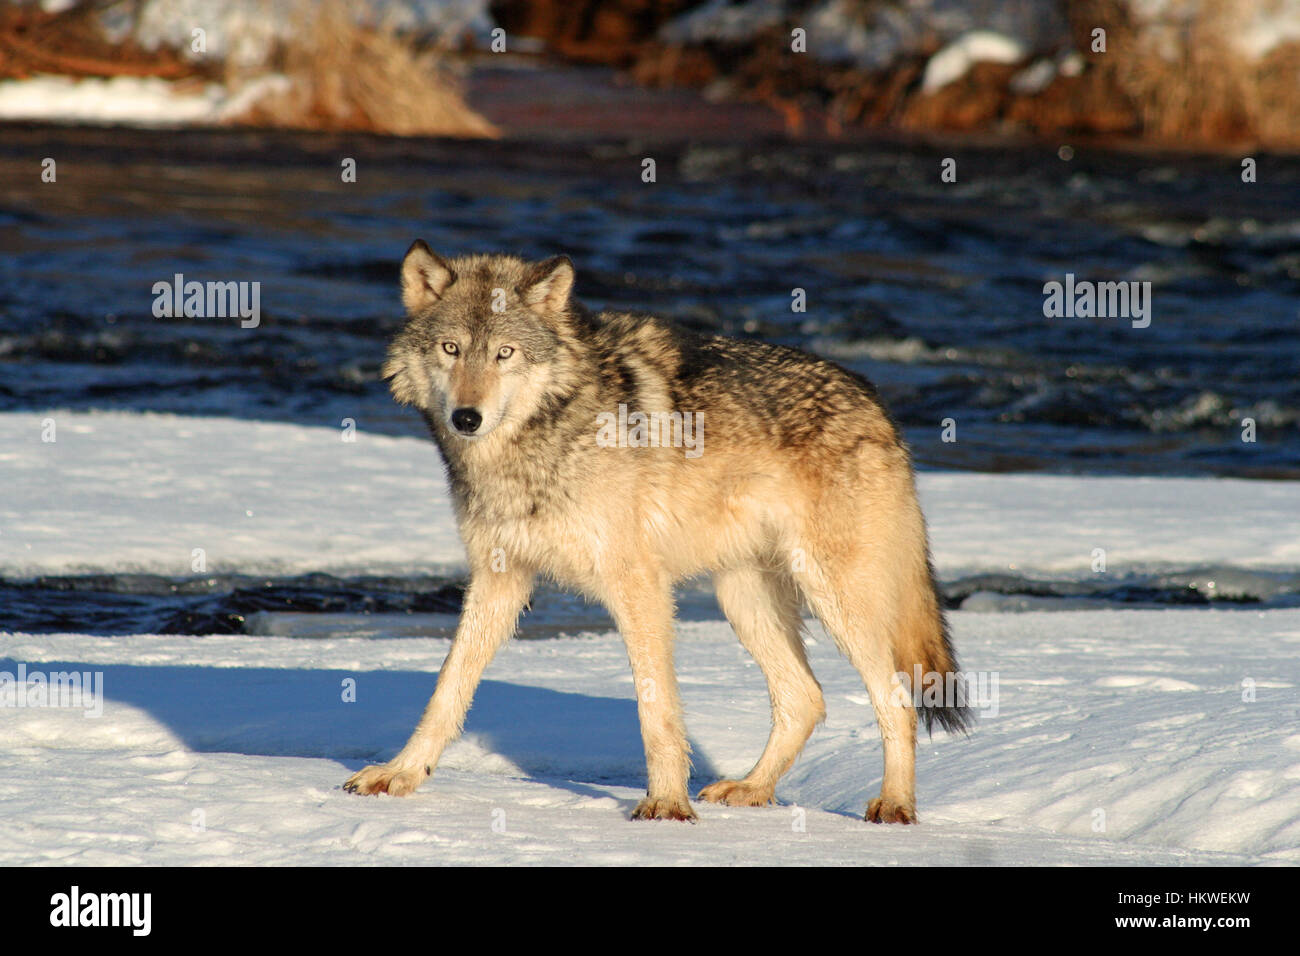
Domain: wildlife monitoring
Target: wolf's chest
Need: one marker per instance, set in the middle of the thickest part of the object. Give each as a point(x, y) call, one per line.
point(557, 547)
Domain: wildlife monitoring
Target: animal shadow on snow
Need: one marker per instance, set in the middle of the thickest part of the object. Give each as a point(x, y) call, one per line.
point(567, 739)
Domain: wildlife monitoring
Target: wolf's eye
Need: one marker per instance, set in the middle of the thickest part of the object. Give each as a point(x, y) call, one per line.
point(505, 352)
point(451, 348)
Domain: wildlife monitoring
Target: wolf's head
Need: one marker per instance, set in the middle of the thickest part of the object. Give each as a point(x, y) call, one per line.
point(482, 337)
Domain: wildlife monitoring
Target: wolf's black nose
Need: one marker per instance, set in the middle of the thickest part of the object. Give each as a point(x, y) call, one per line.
point(466, 420)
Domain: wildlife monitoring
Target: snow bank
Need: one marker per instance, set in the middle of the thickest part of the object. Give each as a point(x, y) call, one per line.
point(145, 101)
point(131, 100)
point(128, 492)
point(141, 492)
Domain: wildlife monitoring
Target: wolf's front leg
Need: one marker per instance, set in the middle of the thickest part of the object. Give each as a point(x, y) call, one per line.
point(492, 605)
point(642, 606)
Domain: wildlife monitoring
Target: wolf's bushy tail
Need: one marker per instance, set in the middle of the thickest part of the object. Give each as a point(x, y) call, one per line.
point(924, 648)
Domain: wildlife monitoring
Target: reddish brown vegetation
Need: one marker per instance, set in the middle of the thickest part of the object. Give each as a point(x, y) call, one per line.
point(71, 43)
point(1207, 95)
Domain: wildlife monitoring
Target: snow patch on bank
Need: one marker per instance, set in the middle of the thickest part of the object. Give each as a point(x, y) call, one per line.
point(131, 100)
point(956, 59)
point(143, 491)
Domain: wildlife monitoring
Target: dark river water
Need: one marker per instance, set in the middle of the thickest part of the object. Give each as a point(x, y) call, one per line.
point(934, 290)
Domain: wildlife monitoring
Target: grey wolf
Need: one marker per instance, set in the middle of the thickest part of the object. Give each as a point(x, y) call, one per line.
point(803, 492)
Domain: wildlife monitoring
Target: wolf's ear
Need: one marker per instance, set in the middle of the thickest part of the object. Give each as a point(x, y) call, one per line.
point(397, 372)
point(425, 277)
point(547, 285)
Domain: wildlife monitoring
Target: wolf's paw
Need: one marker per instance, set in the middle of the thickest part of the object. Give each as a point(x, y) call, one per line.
point(737, 793)
point(664, 808)
point(881, 810)
point(388, 779)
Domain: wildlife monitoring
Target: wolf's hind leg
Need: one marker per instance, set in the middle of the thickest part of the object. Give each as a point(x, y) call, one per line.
point(857, 599)
point(763, 608)
point(492, 605)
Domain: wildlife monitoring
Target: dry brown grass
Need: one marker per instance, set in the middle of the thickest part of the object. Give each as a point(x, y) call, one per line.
point(1198, 86)
point(345, 76)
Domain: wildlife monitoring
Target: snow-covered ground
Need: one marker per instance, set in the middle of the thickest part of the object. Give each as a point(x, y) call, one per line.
point(127, 492)
point(232, 750)
point(1118, 737)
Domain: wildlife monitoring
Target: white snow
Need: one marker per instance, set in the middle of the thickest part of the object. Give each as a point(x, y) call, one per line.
point(140, 492)
point(1118, 737)
point(1121, 738)
point(143, 491)
point(1034, 78)
point(130, 100)
point(955, 60)
point(146, 101)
